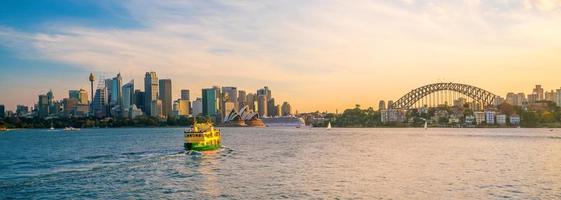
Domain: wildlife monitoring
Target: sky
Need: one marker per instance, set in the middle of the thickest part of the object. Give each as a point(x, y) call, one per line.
point(321, 55)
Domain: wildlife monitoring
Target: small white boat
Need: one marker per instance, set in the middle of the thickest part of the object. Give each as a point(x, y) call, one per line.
point(328, 125)
point(70, 128)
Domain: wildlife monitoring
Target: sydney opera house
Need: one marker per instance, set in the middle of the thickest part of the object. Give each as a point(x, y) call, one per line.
point(242, 118)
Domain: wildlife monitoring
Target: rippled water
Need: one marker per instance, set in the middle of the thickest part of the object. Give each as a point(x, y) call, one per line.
point(283, 163)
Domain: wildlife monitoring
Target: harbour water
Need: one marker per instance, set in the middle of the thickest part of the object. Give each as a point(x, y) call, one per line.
point(291, 163)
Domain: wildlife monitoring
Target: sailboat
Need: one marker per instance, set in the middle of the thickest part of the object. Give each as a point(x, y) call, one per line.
point(52, 127)
point(426, 125)
point(328, 125)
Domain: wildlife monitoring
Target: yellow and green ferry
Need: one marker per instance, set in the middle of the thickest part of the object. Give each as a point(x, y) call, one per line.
point(202, 137)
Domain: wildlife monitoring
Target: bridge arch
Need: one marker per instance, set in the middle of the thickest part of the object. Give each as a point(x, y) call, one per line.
point(477, 94)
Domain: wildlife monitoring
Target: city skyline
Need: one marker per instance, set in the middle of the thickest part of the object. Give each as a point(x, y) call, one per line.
point(317, 56)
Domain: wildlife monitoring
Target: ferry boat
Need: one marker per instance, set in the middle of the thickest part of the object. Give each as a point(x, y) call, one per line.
point(202, 137)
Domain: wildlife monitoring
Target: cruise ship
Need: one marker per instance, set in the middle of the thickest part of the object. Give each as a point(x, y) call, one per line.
point(287, 121)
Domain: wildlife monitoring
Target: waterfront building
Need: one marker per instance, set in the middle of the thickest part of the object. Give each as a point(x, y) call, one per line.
point(286, 109)
point(139, 100)
point(271, 107)
point(197, 107)
point(156, 109)
point(512, 98)
point(99, 105)
point(68, 105)
point(393, 116)
point(209, 102)
point(381, 105)
point(116, 92)
point(185, 94)
point(558, 97)
point(181, 107)
point(479, 117)
point(2, 111)
point(501, 119)
point(242, 99)
point(151, 90)
point(134, 112)
point(128, 98)
point(43, 106)
point(21, 110)
point(514, 120)
point(81, 110)
point(262, 105)
point(490, 117)
point(165, 96)
point(538, 91)
point(470, 119)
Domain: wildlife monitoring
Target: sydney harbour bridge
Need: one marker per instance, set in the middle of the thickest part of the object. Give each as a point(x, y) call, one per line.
point(436, 94)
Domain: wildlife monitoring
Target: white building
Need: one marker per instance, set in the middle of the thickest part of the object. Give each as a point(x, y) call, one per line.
point(514, 120)
point(197, 107)
point(490, 117)
point(134, 112)
point(479, 117)
point(557, 98)
point(470, 119)
point(156, 109)
point(501, 119)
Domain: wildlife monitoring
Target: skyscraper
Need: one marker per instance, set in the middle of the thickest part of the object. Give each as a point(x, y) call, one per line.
point(128, 96)
point(265, 91)
point(116, 92)
point(139, 100)
point(156, 109)
point(151, 90)
point(165, 96)
point(271, 107)
point(251, 99)
point(209, 102)
point(99, 105)
point(197, 107)
point(80, 95)
point(242, 100)
point(181, 107)
point(185, 94)
point(286, 109)
point(262, 105)
point(43, 106)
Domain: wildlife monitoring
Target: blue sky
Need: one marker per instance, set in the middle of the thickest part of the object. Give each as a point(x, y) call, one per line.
point(306, 51)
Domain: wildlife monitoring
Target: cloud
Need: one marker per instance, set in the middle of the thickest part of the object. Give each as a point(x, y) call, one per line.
point(309, 44)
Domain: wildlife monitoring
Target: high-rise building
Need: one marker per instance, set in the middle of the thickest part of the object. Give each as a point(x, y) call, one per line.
point(197, 107)
point(532, 98)
point(116, 92)
point(230, 94)
point(251, 100)
point(80, 95)
point(128, 96)
point(242, 99)
point(165, 96)
point(262, 105)
point(156, 109)
point(139, 100)
point(209, 102)
point(99, 105)
point(381, 105)
point(521, 99)
point(43, 106)
point(538, 90)
point(265, 91)
point(185, 94)
point(181, 107)
point(51, 103)
point(286, 109)
point(22, 110)
point(108, 82)
point(271, 107)
point(2, 112)
point(151, 90)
